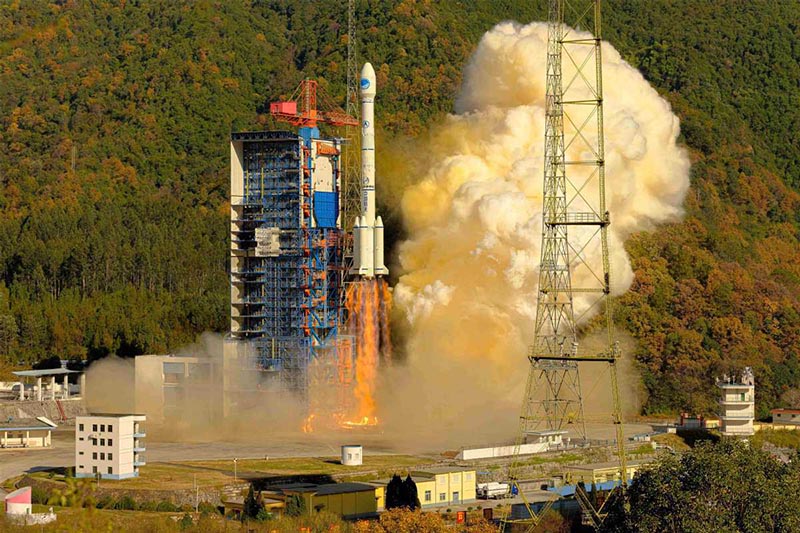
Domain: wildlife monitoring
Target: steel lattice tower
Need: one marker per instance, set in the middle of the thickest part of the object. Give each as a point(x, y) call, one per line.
point(351, 197)
point(573, 282)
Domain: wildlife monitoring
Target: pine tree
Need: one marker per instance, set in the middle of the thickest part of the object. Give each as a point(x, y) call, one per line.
point(394, 493)
point(408, 493)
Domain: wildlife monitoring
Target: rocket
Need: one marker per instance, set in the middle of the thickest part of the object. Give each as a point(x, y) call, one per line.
point(367, 229)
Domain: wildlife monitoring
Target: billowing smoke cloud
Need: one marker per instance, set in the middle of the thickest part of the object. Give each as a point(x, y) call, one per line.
point(474, 221)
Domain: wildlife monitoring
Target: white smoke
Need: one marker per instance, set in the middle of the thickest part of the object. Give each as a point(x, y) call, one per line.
point(474, 220)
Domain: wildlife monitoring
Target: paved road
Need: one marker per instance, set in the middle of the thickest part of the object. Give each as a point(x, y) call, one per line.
point(15, 462)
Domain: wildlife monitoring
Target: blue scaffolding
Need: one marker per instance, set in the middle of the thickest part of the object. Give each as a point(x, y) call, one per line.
point(288, 307)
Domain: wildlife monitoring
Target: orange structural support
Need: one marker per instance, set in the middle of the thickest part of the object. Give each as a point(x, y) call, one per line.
point(309, 105)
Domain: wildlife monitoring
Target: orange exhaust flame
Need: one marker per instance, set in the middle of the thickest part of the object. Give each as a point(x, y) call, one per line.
point(368, 303)
point(308, 426)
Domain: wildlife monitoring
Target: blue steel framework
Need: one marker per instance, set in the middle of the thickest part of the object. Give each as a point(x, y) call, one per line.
point(289, 303)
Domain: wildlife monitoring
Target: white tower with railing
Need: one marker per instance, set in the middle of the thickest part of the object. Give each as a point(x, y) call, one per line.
point(737, 405)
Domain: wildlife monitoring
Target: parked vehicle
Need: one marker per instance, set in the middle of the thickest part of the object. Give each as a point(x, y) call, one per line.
point(492, 490)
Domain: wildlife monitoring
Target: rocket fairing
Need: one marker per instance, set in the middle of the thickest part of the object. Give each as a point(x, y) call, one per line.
point(367, 229)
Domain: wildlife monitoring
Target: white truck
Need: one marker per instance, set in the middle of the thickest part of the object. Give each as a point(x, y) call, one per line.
point(492, 490)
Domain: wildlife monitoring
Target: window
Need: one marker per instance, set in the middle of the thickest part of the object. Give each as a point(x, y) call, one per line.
point(110, 456)
point(94, 455)
point(455, 497)
point(80, 439)
point(744, 397)
point(110, 442)
point(110, 470)
point(102, 456)
point(349, 455)
point(80, 453)
point(102, 427)
point(94, 442)
point(102, 442)
point(94, 470)
point(427, 495)
point(110, 428)
point(94, 427)
point(81, 467)
point(80, 427)
point(442, 497)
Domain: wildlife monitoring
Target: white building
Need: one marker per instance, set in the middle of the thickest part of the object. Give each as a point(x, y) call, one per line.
point(26, 432)
point(737, 405)
point(786, 416)
point(109, 445)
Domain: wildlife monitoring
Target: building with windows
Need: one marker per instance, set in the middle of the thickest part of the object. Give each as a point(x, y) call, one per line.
point(445, 485)
point(109, 446)
point(737, 405)
point(786, 416)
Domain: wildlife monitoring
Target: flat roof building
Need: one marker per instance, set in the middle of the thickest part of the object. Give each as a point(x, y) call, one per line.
point(26, 432)
point(109, 446)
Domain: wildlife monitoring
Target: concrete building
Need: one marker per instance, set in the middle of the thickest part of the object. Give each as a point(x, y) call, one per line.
point(109, 445)
point(789, 417)
point(352, 454)
point(27, 433)
point(19, 502)
point(737, 404)
point(536, 442)
point(445, 485)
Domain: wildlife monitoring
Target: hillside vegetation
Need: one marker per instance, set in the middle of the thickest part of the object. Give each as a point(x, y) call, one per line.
point(114, 120)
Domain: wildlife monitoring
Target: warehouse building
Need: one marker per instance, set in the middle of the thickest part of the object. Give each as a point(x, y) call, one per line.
point(348, 500)
point(109, 446)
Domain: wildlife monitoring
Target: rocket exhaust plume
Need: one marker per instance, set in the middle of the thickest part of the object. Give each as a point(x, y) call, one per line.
point(469, 288)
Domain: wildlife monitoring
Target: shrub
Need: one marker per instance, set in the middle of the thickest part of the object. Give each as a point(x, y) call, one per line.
point(105, 502)
point(186, 521)
point(39, 495)
point(166, 507)
point(149, 505)
point(126, 503)
point(186, 508)
point(207, 508)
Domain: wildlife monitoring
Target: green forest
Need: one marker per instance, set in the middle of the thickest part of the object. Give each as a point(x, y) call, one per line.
point(114, 126)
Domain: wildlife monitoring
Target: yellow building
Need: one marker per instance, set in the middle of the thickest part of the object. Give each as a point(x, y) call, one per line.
point(445, 485)
point(348, 500)
point(599, 472)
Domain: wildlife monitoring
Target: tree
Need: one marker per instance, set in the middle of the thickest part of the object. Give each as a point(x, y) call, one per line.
point(295, 505)
point(408, 494)
point(252, 506)
point(724, 486)
point(394, 493)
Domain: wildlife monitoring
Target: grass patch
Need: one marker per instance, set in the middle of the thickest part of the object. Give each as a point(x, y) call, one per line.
point(782, 438)
point(215, 474)
point(674, 441)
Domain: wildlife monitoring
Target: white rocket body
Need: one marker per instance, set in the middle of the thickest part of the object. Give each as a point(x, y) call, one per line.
point(368, 229)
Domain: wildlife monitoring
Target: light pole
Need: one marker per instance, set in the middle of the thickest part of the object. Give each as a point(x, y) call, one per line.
point(234, 469)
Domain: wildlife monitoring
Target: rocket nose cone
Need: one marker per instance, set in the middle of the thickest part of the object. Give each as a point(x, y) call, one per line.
point(368, 87)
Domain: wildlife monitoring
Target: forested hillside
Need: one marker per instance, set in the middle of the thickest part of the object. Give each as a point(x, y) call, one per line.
point(114, 123)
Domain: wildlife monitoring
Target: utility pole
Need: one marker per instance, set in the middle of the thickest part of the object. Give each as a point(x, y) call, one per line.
point(196, 494)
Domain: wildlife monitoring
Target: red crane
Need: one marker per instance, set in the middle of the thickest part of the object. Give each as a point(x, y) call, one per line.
point(301, 108)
